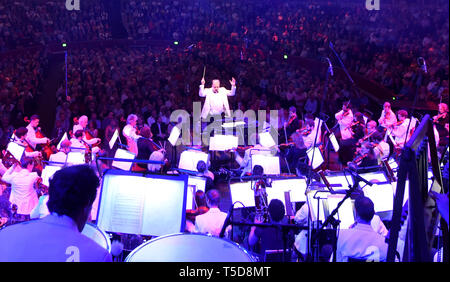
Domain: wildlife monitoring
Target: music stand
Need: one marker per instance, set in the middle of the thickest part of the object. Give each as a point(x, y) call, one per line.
point(123, 154)
point(223, 142)
point(190, 158)
point(16, 150)
point(76, 158)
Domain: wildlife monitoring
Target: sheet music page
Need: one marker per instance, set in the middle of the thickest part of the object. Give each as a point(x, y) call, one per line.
point(164, 209)
point(122, 206)
point(113, 139)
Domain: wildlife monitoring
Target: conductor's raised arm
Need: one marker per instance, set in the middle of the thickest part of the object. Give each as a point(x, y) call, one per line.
point(201, 93)
point(232, 92)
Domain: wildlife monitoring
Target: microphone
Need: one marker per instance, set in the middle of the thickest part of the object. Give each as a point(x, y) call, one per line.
point(357, 177)
point(422, 64)
point(330, 67)
point(226, 222)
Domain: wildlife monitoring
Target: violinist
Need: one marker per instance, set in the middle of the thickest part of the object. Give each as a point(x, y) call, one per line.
point(348, 146)
point(371, 128)
point(293, 122)
point(31, 133)
point(344, 119)
point(440, 122)
point(130, 133)
point(254, 148)
point(398, 130)
point(387, 118)
point(61, 156)
point(303, 140)
point(77, 142)
point(145, 146)
point(23, 193)
point(81, 124)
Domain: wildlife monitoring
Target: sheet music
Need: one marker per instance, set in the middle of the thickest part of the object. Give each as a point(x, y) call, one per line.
point(163, 197)
point(174, 134)
point(122, 207)
point(16, 150)
point(113, 139)
point(296, 187)
point(62, 139)
point(345, 213)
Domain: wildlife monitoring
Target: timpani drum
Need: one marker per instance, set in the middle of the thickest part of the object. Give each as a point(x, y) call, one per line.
point(187, 247)
point(99, 236)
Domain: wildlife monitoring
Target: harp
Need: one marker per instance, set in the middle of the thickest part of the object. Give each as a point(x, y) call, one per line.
point(423, 216)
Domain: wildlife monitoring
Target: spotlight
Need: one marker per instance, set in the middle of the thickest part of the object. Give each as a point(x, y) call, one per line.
point(175, 42)
point(64, 45)
point(285, 57)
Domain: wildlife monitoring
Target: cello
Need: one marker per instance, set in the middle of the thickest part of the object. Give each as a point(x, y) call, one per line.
point(46, 149)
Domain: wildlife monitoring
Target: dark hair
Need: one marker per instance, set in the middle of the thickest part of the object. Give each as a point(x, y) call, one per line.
point(26, 161)
point(21, 131)
point(72, 189)
point(145, 132)
point(213, 197)
point(200, 198)
point(364, 208)
point(78, 133)
point(33, 117)
point(276, 210)
point(201, 166)
point(359, 117)
point(258, 170)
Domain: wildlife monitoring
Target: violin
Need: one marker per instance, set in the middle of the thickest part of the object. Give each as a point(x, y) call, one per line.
point(40, 188)
point(439, 116)
point(291, 119)
point(304, 131)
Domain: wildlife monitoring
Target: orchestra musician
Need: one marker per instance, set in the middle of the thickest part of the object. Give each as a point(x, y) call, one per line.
point(303, 140)
point(61, 156)
point(23, 193)
point(348, 145)
point(88, 140)
point(255, 148)
point(293, 122)
point(20, 138)
point(344, 119)
point(77, 142)
point(91, 140)
point(31, 133)
point(441, 121)
point(400, 128)
point(387, 118)
point(130, 133)
point(145, 146)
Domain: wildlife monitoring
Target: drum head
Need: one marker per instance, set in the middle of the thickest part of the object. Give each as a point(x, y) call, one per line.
point(189, 248)
point(100, 237)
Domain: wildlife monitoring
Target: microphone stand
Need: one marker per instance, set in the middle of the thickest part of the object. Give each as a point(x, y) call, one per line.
point(284, 229)
point(335, 222)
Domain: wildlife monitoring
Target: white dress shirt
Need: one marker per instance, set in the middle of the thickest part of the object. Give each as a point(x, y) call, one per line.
point(210, 222)
point(53, 238)
point(361, 242)
point(23, 193)
point(59, 157)
point(32, 139)
point(399, 133)
point(345, 123)
point(216, 103)
point(387, 121)
point(130, 134)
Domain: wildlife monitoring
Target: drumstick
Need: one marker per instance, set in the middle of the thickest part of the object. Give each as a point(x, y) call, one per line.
point(204, 71)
